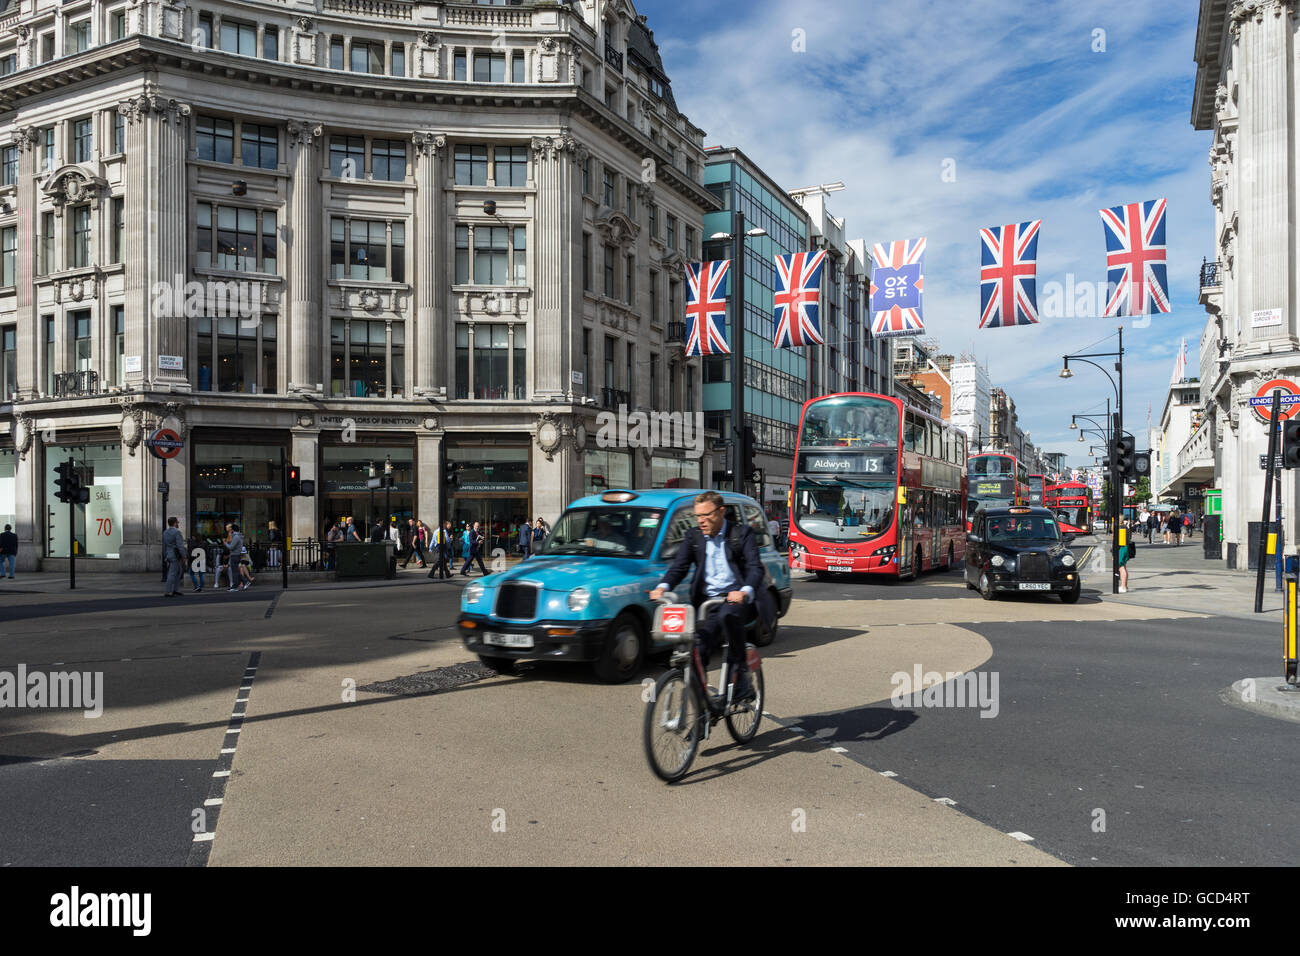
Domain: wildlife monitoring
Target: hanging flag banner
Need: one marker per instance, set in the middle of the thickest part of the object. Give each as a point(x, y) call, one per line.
point(1180, 365)
point(797, 299)
point(1137, 275)
point(1008, 275)
point(706, 298)
point(896, 283)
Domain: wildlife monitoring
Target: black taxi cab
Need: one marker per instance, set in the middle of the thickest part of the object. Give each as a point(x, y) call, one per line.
point(1019, 550)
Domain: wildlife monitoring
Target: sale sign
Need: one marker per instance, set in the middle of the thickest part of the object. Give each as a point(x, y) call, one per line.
point(104, 519)
point(897, 280)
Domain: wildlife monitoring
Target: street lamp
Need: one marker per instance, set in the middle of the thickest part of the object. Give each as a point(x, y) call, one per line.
point(388, 492)
point(370, 516)
point(738, 235)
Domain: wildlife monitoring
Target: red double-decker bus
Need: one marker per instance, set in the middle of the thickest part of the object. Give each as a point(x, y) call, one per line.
point(1037, 490)
point(1071, 502)
point(995, 480)
point(878, 488)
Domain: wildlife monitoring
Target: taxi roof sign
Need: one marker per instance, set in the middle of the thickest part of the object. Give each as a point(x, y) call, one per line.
point(1020, 511)
point(618, 497)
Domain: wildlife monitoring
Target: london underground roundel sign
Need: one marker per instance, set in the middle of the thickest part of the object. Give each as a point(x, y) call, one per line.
point(165, 443)
point(1262, 403)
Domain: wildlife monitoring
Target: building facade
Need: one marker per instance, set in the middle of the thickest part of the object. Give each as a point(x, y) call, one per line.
point(443, 237)
point(1245, 94)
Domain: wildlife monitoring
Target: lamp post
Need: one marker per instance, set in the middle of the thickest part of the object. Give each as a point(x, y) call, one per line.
point(388, 492)
point(370, 516)
point(737, 235)
point(1116, 481)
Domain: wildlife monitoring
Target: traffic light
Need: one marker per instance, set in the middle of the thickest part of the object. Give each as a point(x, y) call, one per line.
point(449, 475)
point(747, 467)
point(294, 481)
point(64, 481)
point(1291, 444)
point(1125, 453)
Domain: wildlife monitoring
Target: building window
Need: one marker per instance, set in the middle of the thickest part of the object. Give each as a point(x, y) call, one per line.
point(519, 256)
point(119, 343)
point(214, 139)
point(119, 228)
point(517, 68)
point(81, 340)
point(489, 67)
point(397, 63)
point(629, 277)
point(47, 46)
point(336, 53)
point(368, 358)
point(690, 241)
point(83, 139)
point(271, 44)
point(119, 132)
point(205, 30)
point(259, 146)
point(462, 255)
point(672, 231)
point(79, 249)
point(241, 353)
point(8, 363)
point(388, 160)
point(45, 261)
point(652, 216)
point(78, 37)
point(628, 380)
point(48, 166)
point(654, 379)
point(8, 254)
point(485, 351)
point(238, 38)
point(610, 254)
point(50, 369)
point(608, 177)
point(241, 243)
point(8, 63)
point(471, 165)
point(511, 165)
point(586, 176)
point(458, 69)
point(367, 57)
point(9, 166)
point(116, 24)
point(348, 157)
point(586, 262)
point(609, 363)
point(367, 250)
point(491, 251)
point(586, 360)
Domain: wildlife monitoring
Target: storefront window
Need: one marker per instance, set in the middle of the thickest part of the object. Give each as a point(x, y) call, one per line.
point(97, 526)
point(236, 482)
point(8, 499)
point(607, 469)
point(492, 489)
point(674, 472)
point(345, 471)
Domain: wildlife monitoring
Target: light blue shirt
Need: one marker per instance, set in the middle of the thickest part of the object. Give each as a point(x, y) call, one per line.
point(718, 577)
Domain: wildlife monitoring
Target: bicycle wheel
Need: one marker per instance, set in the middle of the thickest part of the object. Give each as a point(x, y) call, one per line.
point(743, 719)
point(672, 727)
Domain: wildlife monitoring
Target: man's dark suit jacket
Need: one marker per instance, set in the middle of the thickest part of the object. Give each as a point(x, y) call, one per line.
point(692, 550)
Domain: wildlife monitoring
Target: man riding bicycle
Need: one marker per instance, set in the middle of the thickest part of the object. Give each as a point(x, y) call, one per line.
point(727, 564)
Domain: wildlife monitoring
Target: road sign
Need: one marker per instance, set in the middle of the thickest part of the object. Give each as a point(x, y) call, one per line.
point(1263, 462)
point(1262, 403)
point(164, 444)
point(374, 483)
point(164, 487)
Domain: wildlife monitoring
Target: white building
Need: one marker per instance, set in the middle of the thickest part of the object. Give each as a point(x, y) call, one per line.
point(1182, 466)
point(1245, 93)
point(443, 235)
point(970, 398)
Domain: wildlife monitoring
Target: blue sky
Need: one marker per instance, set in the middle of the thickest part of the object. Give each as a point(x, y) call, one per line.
point(1015, 101)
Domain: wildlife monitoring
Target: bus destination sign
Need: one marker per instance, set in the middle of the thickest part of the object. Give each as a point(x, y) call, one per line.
point(849, 463)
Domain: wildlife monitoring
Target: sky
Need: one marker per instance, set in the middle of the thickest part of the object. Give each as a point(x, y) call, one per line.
point(946, 116)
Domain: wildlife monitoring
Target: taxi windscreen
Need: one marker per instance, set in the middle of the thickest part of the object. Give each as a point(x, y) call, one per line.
point(1006, 529)
point(611, 532)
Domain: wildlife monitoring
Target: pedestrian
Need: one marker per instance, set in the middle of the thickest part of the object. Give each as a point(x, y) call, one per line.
point(1152, 520)
point(774, 532)
point(1125, 553)
point(238, 558)
point(196, 577)
point(333, 539)
point(353, 533)
point(539, 536)
point(525, 540)
point(378, 533)
point(416, 542)
point(274, 544)
point(442, 541)
point(175, 553)
point(8, 551)
point(474, 550)
point(1187, 524)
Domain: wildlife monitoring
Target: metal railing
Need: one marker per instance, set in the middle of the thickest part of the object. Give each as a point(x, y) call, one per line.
point(614, 397)
point(677, 332)
point(67, 384)
point(614, 58)
point(1210, 275)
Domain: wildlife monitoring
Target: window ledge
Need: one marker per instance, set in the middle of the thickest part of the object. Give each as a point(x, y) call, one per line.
point(229, 274)
point(498, 289)
point(368, 284)
point(465, 187)
point(281, 171)
point(407, 183)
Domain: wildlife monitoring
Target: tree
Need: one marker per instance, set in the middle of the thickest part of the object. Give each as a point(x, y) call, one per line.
point(1142, 490)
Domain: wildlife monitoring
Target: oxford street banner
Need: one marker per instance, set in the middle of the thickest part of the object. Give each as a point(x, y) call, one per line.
point(897, 279)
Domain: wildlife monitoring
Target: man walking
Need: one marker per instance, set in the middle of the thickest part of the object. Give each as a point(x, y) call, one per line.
point(8, 551)
point(176, 555)
point(525, 540)
point(474, 546)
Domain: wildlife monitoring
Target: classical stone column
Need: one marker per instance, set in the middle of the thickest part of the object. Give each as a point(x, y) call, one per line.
point(1265, 161)
point(557, 233)
point(157, 223)
point(306, 325)
point(428, 467)
point(29, 331)
point(432, 368)
point(304, 443)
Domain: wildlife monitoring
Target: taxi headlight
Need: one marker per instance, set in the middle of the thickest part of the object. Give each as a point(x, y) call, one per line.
point(473, 593)
point(997, 560)
point(579, 598)
point(1068, 560)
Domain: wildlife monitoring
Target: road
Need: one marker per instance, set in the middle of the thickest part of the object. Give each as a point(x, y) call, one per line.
point(348, 725)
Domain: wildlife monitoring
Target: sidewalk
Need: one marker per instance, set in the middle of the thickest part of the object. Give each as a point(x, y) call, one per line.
point(1181, 578)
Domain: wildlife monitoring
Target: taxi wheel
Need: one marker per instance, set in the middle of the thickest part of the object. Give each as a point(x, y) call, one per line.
point(501, 665)
point(764, 636)
point(986, 588)
point(1070, 597)
point(623, 651)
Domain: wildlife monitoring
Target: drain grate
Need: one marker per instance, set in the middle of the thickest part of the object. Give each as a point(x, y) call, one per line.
point(430, 682)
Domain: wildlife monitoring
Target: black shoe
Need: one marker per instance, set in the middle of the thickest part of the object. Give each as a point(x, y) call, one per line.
point(743, 689)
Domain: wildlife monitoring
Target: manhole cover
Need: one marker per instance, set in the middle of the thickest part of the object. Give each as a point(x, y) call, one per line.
point(430, 682)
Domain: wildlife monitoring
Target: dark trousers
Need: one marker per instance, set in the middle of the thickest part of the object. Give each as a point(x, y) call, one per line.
point(726, 623)
point(475, 555)
point(414, 550)
point(443, 570)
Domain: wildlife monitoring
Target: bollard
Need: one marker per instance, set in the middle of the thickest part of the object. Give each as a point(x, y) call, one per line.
point(1289, 618)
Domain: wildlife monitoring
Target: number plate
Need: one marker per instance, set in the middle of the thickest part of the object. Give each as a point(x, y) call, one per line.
point(1035, 587)
point(497, 639)
point(839, 567)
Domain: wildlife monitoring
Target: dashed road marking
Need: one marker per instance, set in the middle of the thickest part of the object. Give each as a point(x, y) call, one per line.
point(1022, 837)
point(888, 773)
point(946, 801)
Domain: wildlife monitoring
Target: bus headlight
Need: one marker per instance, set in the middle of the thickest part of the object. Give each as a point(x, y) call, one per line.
point(884, 552)
point(1068, 560)
point(579, 598)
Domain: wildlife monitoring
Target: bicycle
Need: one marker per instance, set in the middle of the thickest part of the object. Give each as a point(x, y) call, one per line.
point(684, 708)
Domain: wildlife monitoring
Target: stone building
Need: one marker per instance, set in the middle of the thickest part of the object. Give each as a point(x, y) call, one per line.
point(441, 237)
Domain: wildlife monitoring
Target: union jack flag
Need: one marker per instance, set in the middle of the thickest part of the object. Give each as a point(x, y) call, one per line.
point(896, 284)
point(1137, 275)
point(706, 297)
point(1008, 266)
point(797, 298)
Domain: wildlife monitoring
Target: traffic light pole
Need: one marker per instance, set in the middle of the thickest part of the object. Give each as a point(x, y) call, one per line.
point(284, 518)
point(1268, 504)
point(163, 489)
point(72, 535)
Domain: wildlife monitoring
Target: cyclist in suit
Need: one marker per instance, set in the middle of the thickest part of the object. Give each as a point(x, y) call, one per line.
point(727, 564)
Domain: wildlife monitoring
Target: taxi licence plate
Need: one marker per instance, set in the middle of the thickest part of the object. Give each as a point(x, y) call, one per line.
point(497, 639)
point(1035, 587)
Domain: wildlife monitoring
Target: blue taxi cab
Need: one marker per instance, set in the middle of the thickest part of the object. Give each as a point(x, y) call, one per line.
point(585, 595)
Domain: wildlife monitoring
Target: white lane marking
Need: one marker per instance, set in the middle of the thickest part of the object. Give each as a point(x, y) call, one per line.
point(204, 837)
point(213, 801)
point(221, 773)
point(233, 716)
point(235, 731)
point(839, 750)
point(946, 801)
point(888, 773)
point(227, 750)
point(1022, 837)
point(244, 700)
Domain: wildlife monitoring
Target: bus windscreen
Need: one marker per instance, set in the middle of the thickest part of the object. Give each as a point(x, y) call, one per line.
point(850, 420)
point(843, 509)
